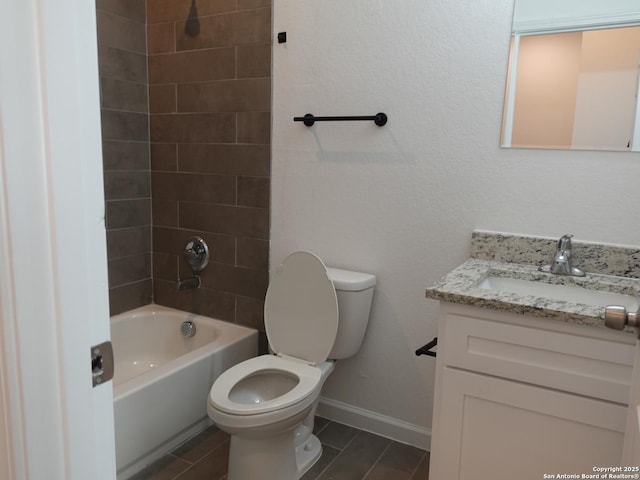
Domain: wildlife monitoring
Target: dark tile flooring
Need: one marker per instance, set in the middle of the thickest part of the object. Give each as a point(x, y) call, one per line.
point(348, 454)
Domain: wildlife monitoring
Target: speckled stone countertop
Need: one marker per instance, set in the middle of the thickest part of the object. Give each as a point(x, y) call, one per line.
point(609, 268)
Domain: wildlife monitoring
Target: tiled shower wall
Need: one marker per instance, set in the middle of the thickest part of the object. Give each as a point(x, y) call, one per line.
point(125, 134)
point(209, 101)
point(209, 120)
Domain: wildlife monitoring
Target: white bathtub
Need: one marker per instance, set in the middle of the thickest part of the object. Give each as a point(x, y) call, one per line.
point(162, 379)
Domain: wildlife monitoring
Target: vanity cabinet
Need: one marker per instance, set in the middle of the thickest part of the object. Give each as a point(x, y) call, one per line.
point(521, 397)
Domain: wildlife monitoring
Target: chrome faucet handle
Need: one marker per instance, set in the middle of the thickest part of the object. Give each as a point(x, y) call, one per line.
point(562, 262)
point(576, 272)
point(564, 242)
point(196, 253)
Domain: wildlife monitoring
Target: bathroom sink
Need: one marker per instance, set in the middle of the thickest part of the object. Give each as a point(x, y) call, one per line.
point(567, 293)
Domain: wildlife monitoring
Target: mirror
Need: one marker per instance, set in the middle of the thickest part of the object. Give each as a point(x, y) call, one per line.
point(573, 76)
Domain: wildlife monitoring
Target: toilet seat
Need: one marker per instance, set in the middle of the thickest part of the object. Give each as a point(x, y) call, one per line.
point(301, 322)
point(308, 382)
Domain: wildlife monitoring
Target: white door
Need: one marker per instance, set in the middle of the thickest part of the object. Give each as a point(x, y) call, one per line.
point(631, 448)
point(53, 267)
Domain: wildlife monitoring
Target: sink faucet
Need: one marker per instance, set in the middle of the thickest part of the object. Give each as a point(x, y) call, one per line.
point(562, 261)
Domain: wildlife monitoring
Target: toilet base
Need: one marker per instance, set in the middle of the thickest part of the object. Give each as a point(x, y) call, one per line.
point(307, 455)
point(275, 458)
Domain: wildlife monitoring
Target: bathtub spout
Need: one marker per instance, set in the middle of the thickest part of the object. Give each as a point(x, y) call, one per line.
point(188, 283)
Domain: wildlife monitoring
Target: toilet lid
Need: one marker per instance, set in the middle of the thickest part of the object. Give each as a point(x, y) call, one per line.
point(301, 309)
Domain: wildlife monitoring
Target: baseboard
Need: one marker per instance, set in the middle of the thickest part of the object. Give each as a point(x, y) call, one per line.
point(373, 422)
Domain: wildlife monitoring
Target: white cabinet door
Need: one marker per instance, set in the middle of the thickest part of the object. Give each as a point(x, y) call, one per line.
point(631, 450)
point(496, 429)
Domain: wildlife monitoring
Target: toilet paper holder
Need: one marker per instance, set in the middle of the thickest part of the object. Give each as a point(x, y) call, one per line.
point(427, 349)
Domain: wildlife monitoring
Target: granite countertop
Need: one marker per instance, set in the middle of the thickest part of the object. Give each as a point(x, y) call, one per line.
point(462, 284)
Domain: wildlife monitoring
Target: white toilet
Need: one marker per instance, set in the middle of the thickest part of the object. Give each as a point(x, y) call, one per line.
point(267, 403)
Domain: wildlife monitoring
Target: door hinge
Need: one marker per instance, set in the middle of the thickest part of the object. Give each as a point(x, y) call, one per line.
point(102, 363)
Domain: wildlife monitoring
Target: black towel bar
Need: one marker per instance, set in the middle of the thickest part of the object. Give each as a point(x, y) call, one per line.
point(309, 119)
point(426, 349)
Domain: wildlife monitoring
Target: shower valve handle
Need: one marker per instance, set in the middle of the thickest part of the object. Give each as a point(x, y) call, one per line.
point(196, 253)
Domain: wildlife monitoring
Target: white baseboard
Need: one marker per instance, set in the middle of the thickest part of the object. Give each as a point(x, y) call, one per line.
point(373, 422)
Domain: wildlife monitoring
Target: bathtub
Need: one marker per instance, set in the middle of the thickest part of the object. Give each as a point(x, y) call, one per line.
point(162, 379)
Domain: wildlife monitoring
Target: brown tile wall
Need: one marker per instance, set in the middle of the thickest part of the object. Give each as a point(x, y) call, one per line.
point(125, 132)
point(209, 103)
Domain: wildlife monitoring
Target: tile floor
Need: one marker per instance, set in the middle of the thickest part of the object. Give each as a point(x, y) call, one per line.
point(348, 454)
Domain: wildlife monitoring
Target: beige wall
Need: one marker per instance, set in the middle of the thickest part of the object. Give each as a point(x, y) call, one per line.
point(577, 90)
point(606, 100)
point(546, 87)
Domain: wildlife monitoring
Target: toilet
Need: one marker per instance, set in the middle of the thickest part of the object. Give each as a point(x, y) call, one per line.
point(313, 315)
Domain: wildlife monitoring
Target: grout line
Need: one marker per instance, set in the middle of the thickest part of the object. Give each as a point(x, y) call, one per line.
point(122, 16)
point(145, 279)
point(214, 14)
point(235, 61)
point(129, 199)
point(200, 49)
point(134, 52)
point(202, 459)
point(191, 465)
point(116, 140)
point(125, 80)
point(127, 171)
point(175, 105)
point(340, 450)
point(325, 469)
point(349, 442)
point(377, 460)
point(322, 429)
point(413, 472)
point(120, 110)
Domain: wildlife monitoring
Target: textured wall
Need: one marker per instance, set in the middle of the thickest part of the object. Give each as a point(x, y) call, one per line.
point(125, 133)
point(401, 201)
point(210, 102)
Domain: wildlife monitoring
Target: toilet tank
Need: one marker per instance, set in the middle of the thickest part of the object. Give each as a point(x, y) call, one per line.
point(355, 292)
